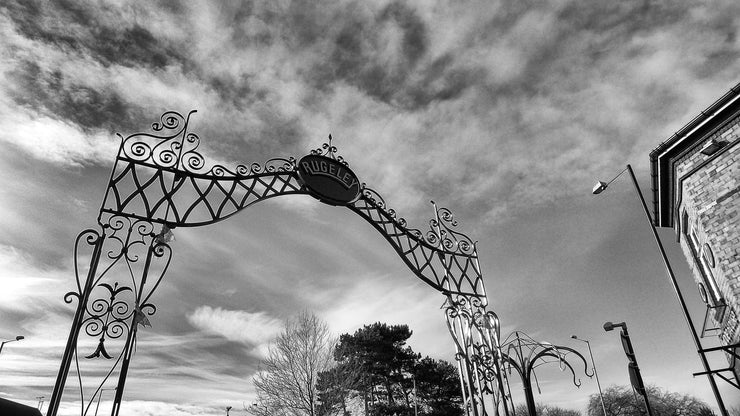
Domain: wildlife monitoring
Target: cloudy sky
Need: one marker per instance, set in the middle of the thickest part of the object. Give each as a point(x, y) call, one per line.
point(504, 111)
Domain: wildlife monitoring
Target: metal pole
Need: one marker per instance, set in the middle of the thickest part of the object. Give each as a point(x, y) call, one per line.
point(74, 332)
point(641, 383)
point(596, 374)
point(100, 394)
point(677, 291)
point(10, 340)
point(128, 349)
point(416, 409)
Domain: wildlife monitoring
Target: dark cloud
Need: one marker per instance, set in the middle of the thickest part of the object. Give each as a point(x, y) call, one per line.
point(575, 37)
point(74, 27)
point(613, 25)
point(272, 134)
point(625, 17)
point(401, 74)
point(360, 56)
point(297, 24)
point(414, 43)
point(49, 91)
point(238, 92)
point(442, 80)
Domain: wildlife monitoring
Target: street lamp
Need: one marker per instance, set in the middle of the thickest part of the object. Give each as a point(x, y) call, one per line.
point(600, 187)
point(40, 403)
point(18, 338)
point(593, 363)
point(416, 407)
point(632, 367)
point(100, 394)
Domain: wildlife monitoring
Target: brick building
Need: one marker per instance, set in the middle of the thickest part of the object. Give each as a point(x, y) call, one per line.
point(696, 190)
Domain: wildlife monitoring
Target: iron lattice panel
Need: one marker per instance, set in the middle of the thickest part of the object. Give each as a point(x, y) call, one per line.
point(453, 270)
point(165, 195)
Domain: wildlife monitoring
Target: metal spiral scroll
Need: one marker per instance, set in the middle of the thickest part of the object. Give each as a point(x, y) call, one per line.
point(328, 149)
point(160, 181)
point(113, 299)
point(161, 177)
point(443, 234)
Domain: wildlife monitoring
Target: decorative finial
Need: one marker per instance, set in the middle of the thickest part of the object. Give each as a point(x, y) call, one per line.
point(331, 150)
point(328, 149)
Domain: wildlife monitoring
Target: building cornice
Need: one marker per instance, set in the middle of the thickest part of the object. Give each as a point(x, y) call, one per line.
point(687, 139)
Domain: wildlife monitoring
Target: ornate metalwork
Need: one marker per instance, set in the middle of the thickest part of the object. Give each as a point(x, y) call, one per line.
point(160, 181)
point(328, 149)
point(524, 354)
point(444, 258)
point(476, 333)
point(128, 262)
point(162, 178)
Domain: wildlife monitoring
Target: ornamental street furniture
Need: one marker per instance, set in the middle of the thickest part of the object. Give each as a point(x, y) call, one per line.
point(160, 182)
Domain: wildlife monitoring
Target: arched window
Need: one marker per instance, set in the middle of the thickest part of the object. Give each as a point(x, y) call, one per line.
point(706, 258)
point(704, 261)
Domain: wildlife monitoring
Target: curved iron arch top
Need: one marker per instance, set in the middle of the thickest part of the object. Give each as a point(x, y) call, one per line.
point(523, 354)
point(160, 177)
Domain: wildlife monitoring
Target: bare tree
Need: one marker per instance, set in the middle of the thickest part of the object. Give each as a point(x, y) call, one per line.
point(545, 410)
point(286, 382)
point(622, 401)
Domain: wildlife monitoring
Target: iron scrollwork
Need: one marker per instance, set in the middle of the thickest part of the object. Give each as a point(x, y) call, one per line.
point(160, 181)
point(112, 300)
point(161, 177)
point(107, 318)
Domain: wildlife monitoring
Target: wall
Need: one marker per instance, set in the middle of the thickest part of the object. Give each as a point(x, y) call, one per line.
point(709, 210)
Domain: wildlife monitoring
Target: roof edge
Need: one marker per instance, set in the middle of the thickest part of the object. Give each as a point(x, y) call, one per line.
point(661, 196)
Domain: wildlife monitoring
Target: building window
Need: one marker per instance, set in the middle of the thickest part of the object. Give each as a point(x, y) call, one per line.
point(704, 260)
point(708, 255)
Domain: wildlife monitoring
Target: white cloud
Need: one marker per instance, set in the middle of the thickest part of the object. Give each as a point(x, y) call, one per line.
point(304, 205)
point(55, 141)
point(251, 328)
point(23, 284)
point(146, 408)
point(388, 300)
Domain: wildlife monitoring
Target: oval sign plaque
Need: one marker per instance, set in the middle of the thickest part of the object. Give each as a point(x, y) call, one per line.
point(329, 180)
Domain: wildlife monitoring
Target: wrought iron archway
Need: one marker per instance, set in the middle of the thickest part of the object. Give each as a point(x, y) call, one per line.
point(160, 181)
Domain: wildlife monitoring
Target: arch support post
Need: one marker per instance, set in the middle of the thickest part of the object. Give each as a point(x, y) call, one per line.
point(96, 240)
point(475, 334)
point(128, 262)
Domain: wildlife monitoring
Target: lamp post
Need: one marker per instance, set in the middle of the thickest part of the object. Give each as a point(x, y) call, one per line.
point(100, 394)
point(40, 403)
point(416, 408)
point(593, 364)
point(633, 369)
point(18, 338)
point(600, 187)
